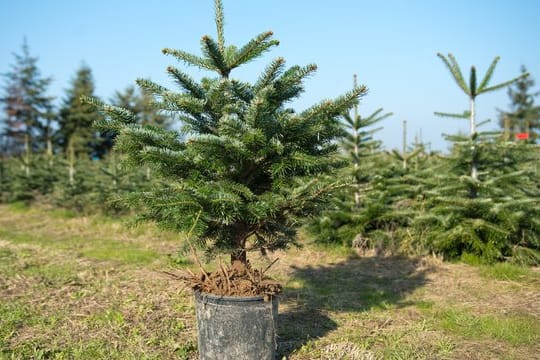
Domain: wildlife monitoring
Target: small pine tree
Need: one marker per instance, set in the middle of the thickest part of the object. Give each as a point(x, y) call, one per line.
point(246, 168)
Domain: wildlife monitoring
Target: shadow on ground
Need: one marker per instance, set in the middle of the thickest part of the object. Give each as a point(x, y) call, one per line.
point(355, 285)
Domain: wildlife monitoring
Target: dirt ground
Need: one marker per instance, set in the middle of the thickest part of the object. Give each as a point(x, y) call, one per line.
point(63, 296)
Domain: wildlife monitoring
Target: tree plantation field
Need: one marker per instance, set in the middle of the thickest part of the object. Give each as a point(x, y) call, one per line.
point(375, 253)
point(91, 288)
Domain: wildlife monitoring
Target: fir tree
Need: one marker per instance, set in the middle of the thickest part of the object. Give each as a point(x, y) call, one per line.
point(524, 115)
point(246, 166)
point(344, 219)
point(76, 135)
point(28, 109)
point(404, 156)
point(140, 103)
point(472, 90)
point(359, 143)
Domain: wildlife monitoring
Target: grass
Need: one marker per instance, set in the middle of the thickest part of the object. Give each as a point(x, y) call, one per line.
point(515, 330)
point(90, 288)
point(507, 271)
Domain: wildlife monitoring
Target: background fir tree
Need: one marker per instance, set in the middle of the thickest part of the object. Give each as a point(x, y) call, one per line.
point(76, 135)
point(140, 103)
point(345, 218)
point(28, 110)
point(472, 89)
point(483, 213)
point(27, 129)
point(524, 115)
point(493, 217)
point(246, 166)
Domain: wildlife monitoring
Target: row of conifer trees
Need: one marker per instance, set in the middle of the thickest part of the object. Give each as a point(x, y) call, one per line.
point(482, 199)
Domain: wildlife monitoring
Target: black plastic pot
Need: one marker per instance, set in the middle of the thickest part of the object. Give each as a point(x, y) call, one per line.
point(236, 327)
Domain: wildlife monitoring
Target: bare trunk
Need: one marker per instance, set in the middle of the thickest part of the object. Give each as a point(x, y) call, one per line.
point(239, 255)
point(474, 166)
point(2, 170)
point(404, 146)
point(50, 151)
point(356, 149)
point(27, 154)
point(356, 165)
point(115, 173)
point(71, 161)
point(506, 128)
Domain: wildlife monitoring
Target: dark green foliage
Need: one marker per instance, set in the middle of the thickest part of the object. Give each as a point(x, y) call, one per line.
point(28, 110)
point(245, 162)
point(76, 119)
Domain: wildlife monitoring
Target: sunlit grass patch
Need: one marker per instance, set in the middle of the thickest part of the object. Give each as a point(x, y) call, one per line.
point(516, 330)
point(96, 249)
point(507, 271)
point(120, 252)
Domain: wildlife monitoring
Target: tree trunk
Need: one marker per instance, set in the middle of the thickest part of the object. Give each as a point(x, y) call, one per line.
point(506, 127)
point(474, 166)
point(50, 151)
point(239, 255)
point(404, 149)
point(71, 160)
point(27, 154)
point(356, 149)
point(2, 171)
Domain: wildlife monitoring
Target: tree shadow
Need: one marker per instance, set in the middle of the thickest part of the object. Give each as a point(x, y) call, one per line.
point(355, 285)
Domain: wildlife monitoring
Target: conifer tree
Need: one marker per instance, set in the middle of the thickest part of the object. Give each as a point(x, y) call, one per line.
point(140, 103)
point(499, 221)
point(76, 135)
point(246, 167)
point(404, 156)
point(524, 115)
point(493, 216)
point(28, 109)
point(472, 90)
point(344, 218)
point(359, 143)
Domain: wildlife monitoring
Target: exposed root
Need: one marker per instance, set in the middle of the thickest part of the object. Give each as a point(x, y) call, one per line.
point(236, 280)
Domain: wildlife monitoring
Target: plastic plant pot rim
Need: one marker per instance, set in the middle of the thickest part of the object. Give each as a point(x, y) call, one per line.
point(212, 298)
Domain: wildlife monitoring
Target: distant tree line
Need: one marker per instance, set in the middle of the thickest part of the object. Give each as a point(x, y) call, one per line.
point(54, 150)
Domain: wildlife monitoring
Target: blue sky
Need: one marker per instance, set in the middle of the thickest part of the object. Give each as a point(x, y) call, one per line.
point(390, 44)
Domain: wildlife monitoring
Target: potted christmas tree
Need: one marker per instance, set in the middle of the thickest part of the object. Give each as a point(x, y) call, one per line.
point(240, 175)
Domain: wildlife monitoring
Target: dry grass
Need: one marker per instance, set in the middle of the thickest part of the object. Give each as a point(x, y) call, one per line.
point(70, 287)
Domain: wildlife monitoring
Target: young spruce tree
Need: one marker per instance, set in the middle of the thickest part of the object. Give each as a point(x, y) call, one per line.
point(246, 167)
